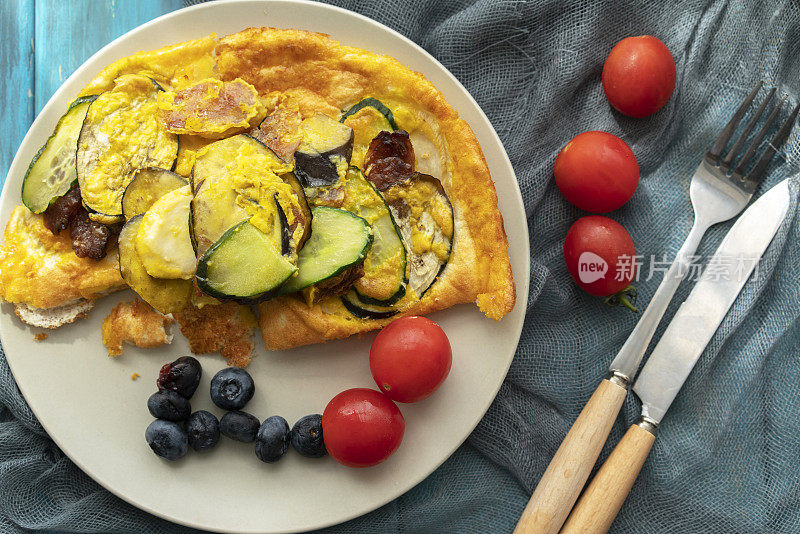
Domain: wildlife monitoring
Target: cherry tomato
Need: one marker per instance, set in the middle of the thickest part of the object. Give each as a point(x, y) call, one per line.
point(410, 358)
point(596, 172)
point(639, 76)
point(600, 255)
point(362, 427)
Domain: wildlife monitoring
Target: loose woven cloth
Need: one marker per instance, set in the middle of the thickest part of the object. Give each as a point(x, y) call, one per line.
point(727, 458)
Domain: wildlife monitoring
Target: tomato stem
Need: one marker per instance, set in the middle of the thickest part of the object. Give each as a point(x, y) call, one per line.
point(626, 297)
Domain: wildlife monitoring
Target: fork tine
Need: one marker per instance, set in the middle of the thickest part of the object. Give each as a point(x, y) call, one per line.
point(748, 155)
point(726, 163)
point(727, 132)
point(774, 146)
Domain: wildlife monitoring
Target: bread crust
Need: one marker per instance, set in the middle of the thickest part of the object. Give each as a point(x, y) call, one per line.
point(324, 76)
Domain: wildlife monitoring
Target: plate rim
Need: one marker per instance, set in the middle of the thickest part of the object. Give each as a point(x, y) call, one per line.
point(521, 280)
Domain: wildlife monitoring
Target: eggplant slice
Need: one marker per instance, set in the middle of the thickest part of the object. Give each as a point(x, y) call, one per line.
point(211, 108)
point(121, 134)
point(325, 151)
point(148, 185)
point(424, 216)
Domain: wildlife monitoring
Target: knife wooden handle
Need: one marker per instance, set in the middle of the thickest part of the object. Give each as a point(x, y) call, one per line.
point(602, 500)
point(564, 478)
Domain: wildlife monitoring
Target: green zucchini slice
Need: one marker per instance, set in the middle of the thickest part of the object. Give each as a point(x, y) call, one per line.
point(384, 280)
point(363, 310)
point(148, 185)
point(425, 218)
point(52, 171)
point(166, 296)
point(121, 134)
point(339, 239)
point(371, 103)
point(237, 179)
point(244, 264)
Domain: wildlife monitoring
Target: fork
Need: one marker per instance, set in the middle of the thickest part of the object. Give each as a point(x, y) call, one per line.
point(720, 189)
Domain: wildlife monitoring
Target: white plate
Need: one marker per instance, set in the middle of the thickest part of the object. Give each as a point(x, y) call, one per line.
point(96, 414)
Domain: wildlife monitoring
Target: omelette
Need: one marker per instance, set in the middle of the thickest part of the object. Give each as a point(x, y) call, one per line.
point(320, 189)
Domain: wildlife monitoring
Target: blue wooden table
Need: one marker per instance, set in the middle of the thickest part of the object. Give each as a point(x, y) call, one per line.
point(43, 41)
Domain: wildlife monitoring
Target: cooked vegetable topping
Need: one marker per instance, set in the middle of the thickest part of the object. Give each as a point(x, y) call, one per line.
point(62, 211)
point(425, 218)
point(389, 159)
point(162, 241)
point(280, 130)
point(52, 171)
point(324, 153)
point(147, 186)
point(89, 238)
point(211, 108)
point(120, 134)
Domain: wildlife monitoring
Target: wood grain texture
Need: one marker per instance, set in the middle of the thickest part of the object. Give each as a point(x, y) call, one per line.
point(43, 41)
point(16, 84)
point(564, 478)
point(600, 503)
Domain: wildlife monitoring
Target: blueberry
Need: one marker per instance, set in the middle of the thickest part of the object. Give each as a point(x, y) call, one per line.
point(203, 430)
point(181, 376)
point(168, 405)
point(231, 388)
point(307, 437)
point(240, 426)
point(167, 439)
point(272, 440)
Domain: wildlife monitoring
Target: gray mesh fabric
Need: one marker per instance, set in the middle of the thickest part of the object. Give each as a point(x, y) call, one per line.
point(728, 454)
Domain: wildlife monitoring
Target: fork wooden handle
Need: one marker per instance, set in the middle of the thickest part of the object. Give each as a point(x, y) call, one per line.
point(602, 500)
point(564, 478)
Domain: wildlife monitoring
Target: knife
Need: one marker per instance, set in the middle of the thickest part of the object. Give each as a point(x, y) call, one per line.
point(675, 355)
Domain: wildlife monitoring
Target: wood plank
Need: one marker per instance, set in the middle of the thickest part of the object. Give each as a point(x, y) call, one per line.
point(17, 82)
point(67, 33)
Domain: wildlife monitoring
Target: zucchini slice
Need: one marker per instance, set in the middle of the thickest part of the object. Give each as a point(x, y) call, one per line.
point(324, 154)
point(368, 118)
point(148, 185)
point(163, 242)
point(244, 264)
point(237, 179)
point(424, 216)
point(52, 170)
point(362, 310)
point(373, 103)
point(121, 133)
point(166, 296)
point(384, 280)
point(339, 240)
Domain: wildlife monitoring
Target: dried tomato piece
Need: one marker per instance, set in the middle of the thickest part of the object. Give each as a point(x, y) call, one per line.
point(60, 213)
point(89, 238)
point(389, 159)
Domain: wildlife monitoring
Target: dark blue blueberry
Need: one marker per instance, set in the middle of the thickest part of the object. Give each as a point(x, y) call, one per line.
point(307, 437)
point(272, 440)
point(169, 405)
point(240, 426)
point(231, 388)
point(181, 376)
point(203, 430)
point(167, 439)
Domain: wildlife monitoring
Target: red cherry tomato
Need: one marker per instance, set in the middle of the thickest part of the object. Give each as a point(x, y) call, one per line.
point(596, 172)
point(639, 76)
point(600, 255)
point(362, 427)
point(410, 358)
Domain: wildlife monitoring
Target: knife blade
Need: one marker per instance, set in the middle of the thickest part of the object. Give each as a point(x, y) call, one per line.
point(676, 354)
